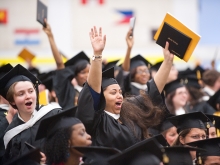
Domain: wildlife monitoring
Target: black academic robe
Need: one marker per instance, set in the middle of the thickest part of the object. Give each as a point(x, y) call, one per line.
point(104, 129)
point(129, 89)
point(200, 107)
point(16, 146)
point(3, 125)
point(63, 87)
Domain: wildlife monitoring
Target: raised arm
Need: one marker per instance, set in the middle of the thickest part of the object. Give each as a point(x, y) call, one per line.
point(95, 71)
point(161, 76)
point(57, 56)
point(130, 43)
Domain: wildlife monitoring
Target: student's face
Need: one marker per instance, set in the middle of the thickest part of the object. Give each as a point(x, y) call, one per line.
point(81, 77)
point(172, 75)
point(24, 97)
point(79, 137)
point(171, 135)
point(142, 75)
point(114, 98)
point(180, 97)
point(212, 160)
point(212, 132)
point(195, 134)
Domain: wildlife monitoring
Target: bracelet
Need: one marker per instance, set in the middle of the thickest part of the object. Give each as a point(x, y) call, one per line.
point(96, 57)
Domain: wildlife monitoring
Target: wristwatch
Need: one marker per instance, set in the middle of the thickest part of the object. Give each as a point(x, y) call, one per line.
point(96, 57)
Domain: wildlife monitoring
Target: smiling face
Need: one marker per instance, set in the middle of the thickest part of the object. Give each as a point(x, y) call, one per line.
point(180, 97)
point(114, 98)
point(142, 75)
point(24, 96)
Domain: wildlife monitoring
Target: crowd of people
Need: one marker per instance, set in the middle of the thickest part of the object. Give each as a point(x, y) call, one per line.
point(107, 114)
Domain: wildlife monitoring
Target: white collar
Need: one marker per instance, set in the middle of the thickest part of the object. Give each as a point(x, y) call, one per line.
point(115, 116)
point(4, 106)
point(32, 115)
point(78, 88)
point(180, 111)
point(209, 91)
point(139, 86)
point(55, 104)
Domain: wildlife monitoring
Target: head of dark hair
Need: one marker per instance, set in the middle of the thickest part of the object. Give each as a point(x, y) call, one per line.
point(80, 66)
point(195, 95)
point(182, 134)
point(209, 77)
point(140, 111)
point(169, 102)
point(56, 148)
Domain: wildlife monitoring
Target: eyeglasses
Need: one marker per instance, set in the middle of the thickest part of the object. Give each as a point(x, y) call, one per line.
point(197, 137)
point(143, 71)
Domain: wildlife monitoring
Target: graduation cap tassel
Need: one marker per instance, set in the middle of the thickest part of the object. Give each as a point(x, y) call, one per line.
point(165, 157)
point(207, 134)
point(199, 161)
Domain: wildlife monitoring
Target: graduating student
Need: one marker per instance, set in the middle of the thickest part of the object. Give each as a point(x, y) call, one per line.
point(137, 69)
point(112, 121)
point(190, 127)
point(211, 81)
point(62, 132)
point(66, 91)
point(176, 97)
point(20, 88)
point(211, 153)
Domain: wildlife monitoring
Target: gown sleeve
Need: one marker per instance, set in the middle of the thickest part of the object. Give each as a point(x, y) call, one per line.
point(86, 111)
point(157, 98)
point(63, 88)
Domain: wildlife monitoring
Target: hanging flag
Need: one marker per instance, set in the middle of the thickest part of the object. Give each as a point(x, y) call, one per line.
point(85, 2)
point(3, 16)
point(126, 15)
point(27, 37)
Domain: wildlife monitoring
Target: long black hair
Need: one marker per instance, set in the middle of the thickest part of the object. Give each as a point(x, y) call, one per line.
point(57, 147)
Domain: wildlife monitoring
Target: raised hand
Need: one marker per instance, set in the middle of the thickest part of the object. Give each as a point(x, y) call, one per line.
point(47, 29)
point(168, 57)
point(129, 39)
point(97, 41)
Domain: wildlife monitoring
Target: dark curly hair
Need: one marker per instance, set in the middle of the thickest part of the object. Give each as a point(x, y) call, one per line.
point(139, 110)
point(56, 147)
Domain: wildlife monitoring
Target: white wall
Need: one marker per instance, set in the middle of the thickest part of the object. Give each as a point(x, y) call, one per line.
point(71, 22)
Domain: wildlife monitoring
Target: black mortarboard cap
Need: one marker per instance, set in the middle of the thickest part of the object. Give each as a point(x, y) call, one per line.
point(215, 99)
point(156, 66)
point(78, 59)
point(166, 124)
point(211, 147)
point(189, 120)
point(50, 125)
point(47, 79)
point(5, 69)
point(143, 153)
point(186, 73)
point(110, 65)
point(160, 139)
point(108, 78)
point(172, 86)
point(96, 155)
point(18, 73)
point(33, 157)
point(180, 155)
point(191, 82)
point(139, 60)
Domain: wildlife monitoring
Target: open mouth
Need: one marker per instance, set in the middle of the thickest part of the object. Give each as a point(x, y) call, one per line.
point(28, 103)
point(118, 104)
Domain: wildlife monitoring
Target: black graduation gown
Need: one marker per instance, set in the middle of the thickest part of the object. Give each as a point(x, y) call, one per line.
point(3, 126)
point(104, 129)
point(200, 107)
point(63, 88)
point(16, 147)
point(128, 88)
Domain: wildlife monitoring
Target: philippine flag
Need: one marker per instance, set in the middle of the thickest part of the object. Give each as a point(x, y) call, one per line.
point(126, 15)
point(27, 37)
